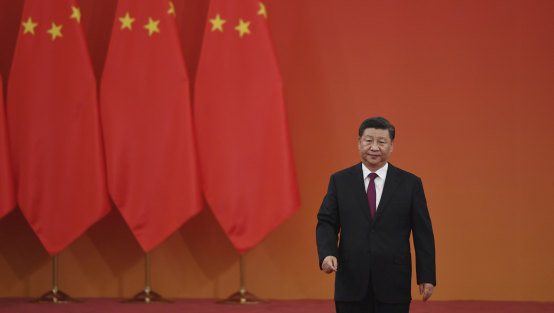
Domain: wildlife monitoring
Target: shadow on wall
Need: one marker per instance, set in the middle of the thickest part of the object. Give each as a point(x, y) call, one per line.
point(209, 246)
point(21, 250)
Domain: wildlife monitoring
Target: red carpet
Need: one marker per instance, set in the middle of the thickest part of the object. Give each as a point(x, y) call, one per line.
point(19, 305)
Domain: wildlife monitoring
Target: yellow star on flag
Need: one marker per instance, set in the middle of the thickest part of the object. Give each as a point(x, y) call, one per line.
point(76, 14)
point(126, 21)
point(217, 23)
point(29, 26)
point(171, 9)
point(55, 31)
point(242, 27)
point(262, 10)
point(152, 26)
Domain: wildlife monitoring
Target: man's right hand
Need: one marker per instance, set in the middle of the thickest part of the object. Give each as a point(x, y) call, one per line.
point(329, 264)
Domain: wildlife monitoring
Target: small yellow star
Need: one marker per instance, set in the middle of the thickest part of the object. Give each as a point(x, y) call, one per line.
point(55, 31)
point(262, 10)
point(76, 14)
point(29, 26)
point(217, 23)
point(152, 26)
point(242, 27)
point(171, 9)
point(126, 21)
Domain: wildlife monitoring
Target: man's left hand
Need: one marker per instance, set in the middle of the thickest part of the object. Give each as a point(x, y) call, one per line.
point(426, 289)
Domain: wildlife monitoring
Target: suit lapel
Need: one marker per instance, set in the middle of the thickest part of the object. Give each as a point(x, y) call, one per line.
point(391, 182)
point(359, 190)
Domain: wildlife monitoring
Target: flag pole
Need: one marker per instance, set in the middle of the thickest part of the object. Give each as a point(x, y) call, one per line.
point(147, 295)
point(242, 296)
point(55, 295)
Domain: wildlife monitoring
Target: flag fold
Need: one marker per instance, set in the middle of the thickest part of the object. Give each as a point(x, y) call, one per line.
point(147, 122)
point(53, 125)
point(7, 195)
point(245, 154)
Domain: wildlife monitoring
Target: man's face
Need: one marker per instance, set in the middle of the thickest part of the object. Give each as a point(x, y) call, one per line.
point(375, 147)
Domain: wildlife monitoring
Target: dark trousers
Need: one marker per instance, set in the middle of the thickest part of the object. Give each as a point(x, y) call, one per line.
point(370, 305)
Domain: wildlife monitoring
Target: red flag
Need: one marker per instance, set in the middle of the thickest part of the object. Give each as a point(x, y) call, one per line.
point(53, 125)
point(241, 125)
point(7, 196)
point(146, 117)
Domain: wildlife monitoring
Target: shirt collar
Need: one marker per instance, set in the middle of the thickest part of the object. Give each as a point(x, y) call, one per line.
point(382, 172)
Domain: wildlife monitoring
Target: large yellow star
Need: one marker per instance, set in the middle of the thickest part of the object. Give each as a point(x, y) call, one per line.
point(262, 10)
point(242, 27)
point(55, 31)
point(171, 9)
point(76, 14)
point(126, 21)
point(29, 26)
point(217, 23)
point(152, 26)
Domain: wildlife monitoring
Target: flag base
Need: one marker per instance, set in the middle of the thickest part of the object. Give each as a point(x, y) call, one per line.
point(55, 296)
point(147, 296)
point(242, 297)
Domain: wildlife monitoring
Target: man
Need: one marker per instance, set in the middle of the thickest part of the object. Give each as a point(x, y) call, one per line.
point(374, 206)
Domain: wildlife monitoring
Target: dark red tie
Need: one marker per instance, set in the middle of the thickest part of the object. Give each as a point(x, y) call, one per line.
point(371, 196)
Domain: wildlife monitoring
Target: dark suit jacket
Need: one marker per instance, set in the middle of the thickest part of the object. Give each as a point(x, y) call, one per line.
point(379, 247)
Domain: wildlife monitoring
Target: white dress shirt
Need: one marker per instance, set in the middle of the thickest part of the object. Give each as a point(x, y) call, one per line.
point(379, 181)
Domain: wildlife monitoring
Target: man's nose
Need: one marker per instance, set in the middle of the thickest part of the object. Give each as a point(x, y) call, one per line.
point(373, 147)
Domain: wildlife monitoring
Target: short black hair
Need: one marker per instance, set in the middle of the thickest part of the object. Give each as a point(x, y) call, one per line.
point(377, 123)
